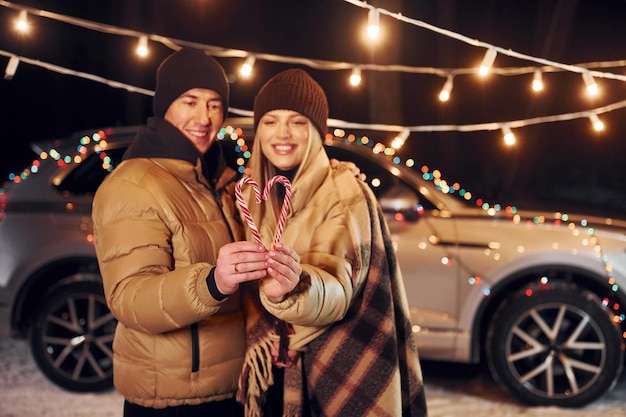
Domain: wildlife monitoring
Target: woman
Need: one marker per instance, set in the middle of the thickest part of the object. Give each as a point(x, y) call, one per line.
point(334, 292)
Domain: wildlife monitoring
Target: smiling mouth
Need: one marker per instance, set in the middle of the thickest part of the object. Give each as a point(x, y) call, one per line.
point(198, 133)
point(284, 148)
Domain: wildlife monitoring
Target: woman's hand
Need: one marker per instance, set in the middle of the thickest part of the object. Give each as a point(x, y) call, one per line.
point(283, 271)
point(239, 262)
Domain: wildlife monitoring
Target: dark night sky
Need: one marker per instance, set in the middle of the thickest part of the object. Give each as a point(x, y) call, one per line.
point(563, 161)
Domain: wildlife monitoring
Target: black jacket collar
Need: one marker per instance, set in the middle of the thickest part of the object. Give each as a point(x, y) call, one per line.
point(160, 139)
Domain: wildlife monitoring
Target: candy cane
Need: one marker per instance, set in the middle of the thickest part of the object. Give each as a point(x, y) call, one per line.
point(244, 207)
point(259, 197)
point(283, 212)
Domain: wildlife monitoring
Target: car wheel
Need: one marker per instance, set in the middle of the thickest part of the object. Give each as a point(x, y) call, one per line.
point(71, 338)
point(554, 347)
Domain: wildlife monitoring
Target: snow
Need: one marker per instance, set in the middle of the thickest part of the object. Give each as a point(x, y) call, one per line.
point(452, 390)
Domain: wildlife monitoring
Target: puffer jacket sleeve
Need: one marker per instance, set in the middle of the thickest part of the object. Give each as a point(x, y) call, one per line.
point(133, 244)
point(332, 261)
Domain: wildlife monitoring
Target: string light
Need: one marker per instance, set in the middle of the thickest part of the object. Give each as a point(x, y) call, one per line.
point(355, 76)
point(9, 72)
point(507, 134)
point(248, 66)
point(22, 22)
point(218, 51)
point(444, 95)
point(507, 52)
point(590, 84)
point(142, 46)
point(345, 124)
point(327, 65)
point(488, 59)
point(373, 28)
point(597, 124)
point(537, 80)
point(399, 140)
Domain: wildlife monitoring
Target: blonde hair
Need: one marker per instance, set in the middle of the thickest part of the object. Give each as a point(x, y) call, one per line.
point(261, 170)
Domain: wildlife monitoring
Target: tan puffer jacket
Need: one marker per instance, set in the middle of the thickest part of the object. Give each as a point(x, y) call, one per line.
point(157, 234)
point(317, 229)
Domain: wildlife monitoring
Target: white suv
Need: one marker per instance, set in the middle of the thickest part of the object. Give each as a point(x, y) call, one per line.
point(539, 297)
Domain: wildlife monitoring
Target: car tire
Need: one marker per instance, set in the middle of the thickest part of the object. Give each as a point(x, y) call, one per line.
point(71, 338)
point(554, 347)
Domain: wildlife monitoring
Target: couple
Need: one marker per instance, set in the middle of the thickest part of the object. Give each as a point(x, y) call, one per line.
point(208, 321)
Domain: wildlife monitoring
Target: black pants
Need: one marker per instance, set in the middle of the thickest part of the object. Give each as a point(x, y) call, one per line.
point(274, 396)
point(225, 408)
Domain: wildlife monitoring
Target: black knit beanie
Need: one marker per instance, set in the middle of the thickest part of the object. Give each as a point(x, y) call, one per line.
point(295, 90)
point(183, 70)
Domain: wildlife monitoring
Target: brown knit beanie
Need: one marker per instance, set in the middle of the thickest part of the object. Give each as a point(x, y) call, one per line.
point(183, 70)
point(295, 90)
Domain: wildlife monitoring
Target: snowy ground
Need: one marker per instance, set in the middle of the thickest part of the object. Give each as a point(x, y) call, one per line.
point(451, 391)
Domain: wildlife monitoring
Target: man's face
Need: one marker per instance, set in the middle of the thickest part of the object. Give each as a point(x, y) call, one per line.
point(199, 114)
point(284, 137)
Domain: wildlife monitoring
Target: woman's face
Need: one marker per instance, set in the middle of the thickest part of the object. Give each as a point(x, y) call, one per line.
point(284, 138)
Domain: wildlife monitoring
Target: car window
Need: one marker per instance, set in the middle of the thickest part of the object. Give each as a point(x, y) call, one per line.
point(381, 181)
point(87, 176)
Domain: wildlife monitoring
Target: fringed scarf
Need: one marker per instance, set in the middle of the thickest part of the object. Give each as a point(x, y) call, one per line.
point(366, 364)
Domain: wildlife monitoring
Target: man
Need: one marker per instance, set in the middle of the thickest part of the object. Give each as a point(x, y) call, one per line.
point(164, 223)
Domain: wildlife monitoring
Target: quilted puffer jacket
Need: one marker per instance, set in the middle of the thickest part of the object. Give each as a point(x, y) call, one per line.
point(159, 220)
point(317, 228)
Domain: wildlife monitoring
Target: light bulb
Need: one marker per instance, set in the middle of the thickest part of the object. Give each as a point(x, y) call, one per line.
point(399, 140)
point(596, 122)
point(444, 95)
point(22, 22)
point(590, 84)
point(509, 137)
point(142, 46)
point(9, 72)
point(373, 28)
point(537, 81)
point(488, 59)
point(248, 65)
point(355, 77)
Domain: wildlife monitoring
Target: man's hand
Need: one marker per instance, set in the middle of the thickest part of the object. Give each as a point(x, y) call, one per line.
point(335, 163)
point(239, 262)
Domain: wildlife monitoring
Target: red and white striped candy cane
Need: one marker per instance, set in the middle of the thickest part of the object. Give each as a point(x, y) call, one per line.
point(244, 207)
point(259, 197)
point(283, 212)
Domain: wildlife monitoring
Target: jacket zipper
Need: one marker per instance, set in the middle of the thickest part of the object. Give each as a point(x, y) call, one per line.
point(195, 348)
point(195, 341)
point(216, 197)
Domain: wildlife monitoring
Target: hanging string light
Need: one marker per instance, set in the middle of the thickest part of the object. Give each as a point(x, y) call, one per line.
point(537, 84)
point(21, 24)
point(399, 140)
point(355, 76)
point(444, 95)
point(490, 55)
point(590, 84)
point(597, 124)
point(142, 46)
point(508, 136)
point(9, 72)
point(248, 66)
point(373, 27)
point(488, 59)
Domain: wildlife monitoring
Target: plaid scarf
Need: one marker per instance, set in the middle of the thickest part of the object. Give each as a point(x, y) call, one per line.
point(366, 364)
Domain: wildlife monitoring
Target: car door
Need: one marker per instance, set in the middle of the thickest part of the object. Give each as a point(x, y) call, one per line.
point(425, 242)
